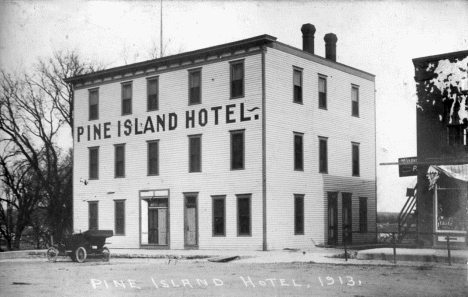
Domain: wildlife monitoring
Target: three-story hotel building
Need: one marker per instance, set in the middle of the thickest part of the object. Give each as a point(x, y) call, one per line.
point(252, 144)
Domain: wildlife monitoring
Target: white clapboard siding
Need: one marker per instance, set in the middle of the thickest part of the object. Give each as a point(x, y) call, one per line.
point(285, 117)
point(216, 177)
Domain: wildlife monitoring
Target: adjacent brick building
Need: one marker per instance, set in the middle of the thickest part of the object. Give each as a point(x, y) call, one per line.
point(442, 146)
point(252, 144)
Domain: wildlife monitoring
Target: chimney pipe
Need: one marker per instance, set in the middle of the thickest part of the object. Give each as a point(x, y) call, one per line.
point(308, 31)
point(330, 46)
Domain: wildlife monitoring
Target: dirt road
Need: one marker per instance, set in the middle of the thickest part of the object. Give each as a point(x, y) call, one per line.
point(131, 277)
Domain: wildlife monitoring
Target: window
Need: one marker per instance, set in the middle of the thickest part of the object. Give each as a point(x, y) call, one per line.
point(119, 206)
point(322, 92)
point(355, 159)
point(219, 215)
point(93, 104)
point(126, 98)
point(153, 94)
point(194, 86)
point(237, 79)
point(195, 153)
point(153, 157)
point(323, 155)
point(93, 215)
point(355, 101)
point(297, 82)
point(243, 215)
point(456, 135)
point(119, 160)
point(298, 214)
point(237, 149)
point(94, 163)
point(362, 214)
point(298, 152)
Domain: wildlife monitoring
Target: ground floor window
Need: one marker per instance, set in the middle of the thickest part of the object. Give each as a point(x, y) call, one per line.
point(119, 209)
point(219, 215)
point(244, 215)
point(93, 215)
point(298, 214)
point(362, 214)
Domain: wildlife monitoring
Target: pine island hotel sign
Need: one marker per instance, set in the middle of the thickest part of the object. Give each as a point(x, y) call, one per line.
point(216, 115)
point(154, 204)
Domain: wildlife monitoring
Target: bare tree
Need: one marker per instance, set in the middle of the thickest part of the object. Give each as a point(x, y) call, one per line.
point(33, 110)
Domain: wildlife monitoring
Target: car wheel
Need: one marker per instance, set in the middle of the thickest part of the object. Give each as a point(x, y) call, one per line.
point(80, 254)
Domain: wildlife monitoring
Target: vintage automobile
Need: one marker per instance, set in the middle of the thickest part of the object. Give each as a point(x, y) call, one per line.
point(81, 245)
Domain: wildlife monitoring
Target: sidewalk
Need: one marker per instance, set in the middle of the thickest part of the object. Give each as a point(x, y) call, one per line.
point(379, 256)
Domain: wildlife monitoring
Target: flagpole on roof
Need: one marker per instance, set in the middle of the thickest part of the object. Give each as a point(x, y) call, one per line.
point(161, 46)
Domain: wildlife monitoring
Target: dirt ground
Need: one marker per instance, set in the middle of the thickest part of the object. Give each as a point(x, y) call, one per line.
point(149, 277)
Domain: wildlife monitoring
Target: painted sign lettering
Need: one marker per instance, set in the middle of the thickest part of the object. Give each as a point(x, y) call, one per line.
point(233, 113)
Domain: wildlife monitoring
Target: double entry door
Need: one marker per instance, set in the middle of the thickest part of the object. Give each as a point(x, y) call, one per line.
point(346, 218)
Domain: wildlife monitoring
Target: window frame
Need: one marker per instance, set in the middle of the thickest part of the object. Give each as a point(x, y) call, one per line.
point(355, 87)
point(90, 91)
point(148, 81)
point(249, 198)
point(232, 133)
point(116, 218)
point(300, 215)
point(222, 198)
point(190, 137)
point(231, 65)
point(353, 161)
point(148, 159)
point(324, 78)
point(116, 147)
point(323, 140)
point(96, 204)
point(301, 99)
point(295, 151)
point(363, 214)
point(90, 149)
point(123, 85)
point(190, 72)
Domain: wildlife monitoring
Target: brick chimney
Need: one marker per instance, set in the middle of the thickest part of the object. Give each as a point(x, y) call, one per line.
point(308, 31)
point(330, 46)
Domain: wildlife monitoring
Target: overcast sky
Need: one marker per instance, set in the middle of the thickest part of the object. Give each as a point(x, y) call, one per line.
point(378, 37)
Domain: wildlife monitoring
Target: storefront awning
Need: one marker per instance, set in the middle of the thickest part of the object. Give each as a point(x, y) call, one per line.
point(459, 172)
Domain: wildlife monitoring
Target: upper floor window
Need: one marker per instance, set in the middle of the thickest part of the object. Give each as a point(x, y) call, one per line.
point(153, 157)
point(195, 153)
point(153, 94)
point(126, 98)
point(237, 149)
point(94, 163)
point(120, 160)
point(298, 151)
point(237, 79)
point(323, 155)
point(297, 83)
point(322, 92)
point(355, 101)
point(194, 86)
point(356, 159)
point(93, 104)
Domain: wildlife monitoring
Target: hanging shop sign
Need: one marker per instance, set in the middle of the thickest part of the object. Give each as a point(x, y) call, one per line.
point(407, 166)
